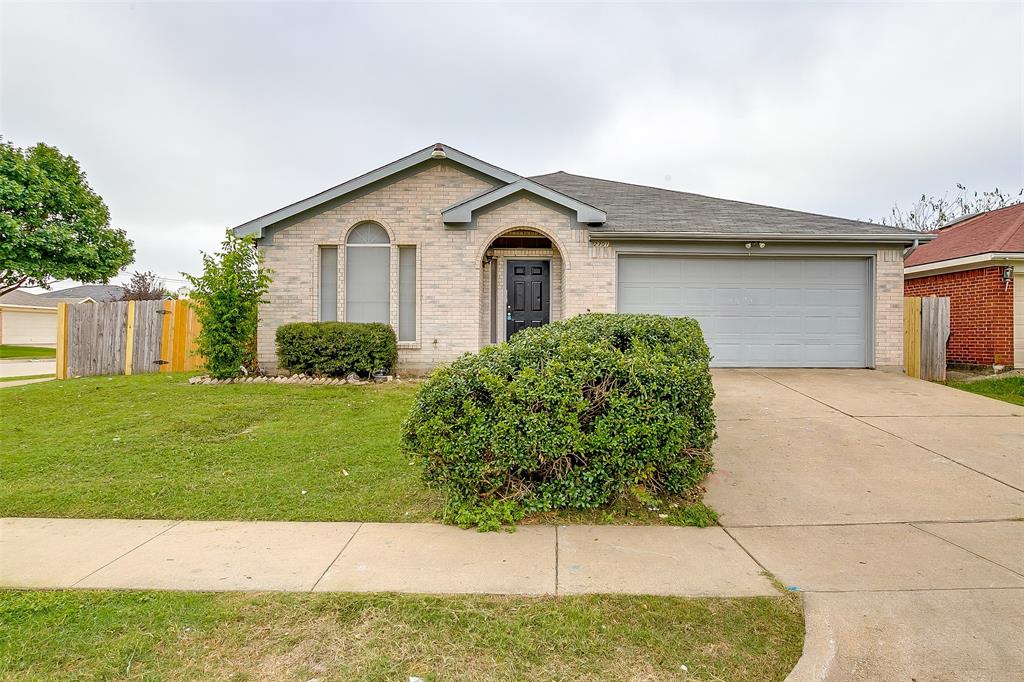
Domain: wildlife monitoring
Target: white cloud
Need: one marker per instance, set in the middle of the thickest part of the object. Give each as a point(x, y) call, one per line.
point(189, 118)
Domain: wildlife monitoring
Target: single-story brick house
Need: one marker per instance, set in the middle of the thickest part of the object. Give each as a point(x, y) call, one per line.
point(456, 253)
point(978, 262)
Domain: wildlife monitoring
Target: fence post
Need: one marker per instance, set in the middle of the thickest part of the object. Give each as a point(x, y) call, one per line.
point(129, 339)
point(180, 336)
point(912, 336)
point(62, 340)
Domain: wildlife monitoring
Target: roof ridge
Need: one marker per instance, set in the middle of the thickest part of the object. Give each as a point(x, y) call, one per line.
point(733, 201)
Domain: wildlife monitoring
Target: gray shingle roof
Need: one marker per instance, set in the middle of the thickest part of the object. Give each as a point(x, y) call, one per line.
point(19, 297)
point(637, 208)
point(97, 292)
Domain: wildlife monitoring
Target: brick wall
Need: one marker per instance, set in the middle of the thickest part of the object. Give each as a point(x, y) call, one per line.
point(452, 283)
point(889, 308)
point(980, 311)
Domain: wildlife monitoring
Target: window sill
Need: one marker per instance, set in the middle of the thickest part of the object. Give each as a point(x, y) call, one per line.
point(411, 345)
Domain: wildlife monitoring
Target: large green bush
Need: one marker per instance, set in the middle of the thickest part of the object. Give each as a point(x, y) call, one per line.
point(568, 416)
point(337, 348)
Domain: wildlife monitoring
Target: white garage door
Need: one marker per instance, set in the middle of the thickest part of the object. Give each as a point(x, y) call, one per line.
point(759, 312)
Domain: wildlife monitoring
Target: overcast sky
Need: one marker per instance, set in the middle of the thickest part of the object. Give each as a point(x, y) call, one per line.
point(191, 118)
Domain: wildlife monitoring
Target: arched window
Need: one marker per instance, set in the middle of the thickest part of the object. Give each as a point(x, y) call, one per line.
point(368, 274)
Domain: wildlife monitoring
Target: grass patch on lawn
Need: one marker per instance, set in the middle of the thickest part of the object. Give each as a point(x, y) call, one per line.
point(9, 351)
point(152, 446)
point(1008, 389)
point(186, 636)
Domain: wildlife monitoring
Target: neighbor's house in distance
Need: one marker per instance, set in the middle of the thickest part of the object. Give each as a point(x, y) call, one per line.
point(978, 262)
point(28, 319)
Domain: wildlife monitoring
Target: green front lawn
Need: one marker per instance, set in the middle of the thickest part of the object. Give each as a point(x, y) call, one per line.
point(152, 446)
point(1009, 389)
point(9, 351)
point(386, 637)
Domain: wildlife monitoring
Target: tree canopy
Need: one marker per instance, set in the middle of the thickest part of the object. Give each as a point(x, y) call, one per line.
point(53, 226)
point(144, 286)
point(931, 213)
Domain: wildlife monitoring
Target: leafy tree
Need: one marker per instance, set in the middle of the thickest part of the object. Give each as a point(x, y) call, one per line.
point(227, 297)
point(144, 286)
point(52, 225)
point(931, 213)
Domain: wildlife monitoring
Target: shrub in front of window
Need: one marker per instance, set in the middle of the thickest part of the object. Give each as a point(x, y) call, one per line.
point(568, 416)
point(337, 348)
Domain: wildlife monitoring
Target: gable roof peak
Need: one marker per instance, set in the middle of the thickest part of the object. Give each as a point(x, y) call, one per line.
point(256, 226)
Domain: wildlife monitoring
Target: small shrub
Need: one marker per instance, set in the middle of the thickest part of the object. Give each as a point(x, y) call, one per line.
point(337, 348)
point(568, 416)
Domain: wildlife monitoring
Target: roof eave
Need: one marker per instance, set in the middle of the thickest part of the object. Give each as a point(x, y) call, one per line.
point(461, 213)
point(908, 239)
point(972, 262)
point(257, 226)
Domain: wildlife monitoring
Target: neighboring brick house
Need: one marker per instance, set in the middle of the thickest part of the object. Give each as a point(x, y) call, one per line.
point(978, 262)
point(456, 253)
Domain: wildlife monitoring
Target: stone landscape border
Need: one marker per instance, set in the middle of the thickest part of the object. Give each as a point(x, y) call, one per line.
point(300, 379)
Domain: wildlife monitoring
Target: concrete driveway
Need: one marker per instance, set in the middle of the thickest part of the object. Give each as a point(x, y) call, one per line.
point(895, 504)
point(26, 367)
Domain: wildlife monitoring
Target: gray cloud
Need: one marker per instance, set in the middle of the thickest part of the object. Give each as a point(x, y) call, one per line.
point(190, 118)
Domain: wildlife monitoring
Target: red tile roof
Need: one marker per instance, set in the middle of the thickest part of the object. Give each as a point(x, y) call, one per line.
point(998, 231)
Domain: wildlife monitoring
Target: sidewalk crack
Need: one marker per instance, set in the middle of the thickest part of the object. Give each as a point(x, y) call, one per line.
point(337, 556)
point(121, 556)
point(969, 551)
point(556, 560)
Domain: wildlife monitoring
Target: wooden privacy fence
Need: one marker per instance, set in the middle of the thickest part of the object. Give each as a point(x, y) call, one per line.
point(126, 337)
point(925, 333)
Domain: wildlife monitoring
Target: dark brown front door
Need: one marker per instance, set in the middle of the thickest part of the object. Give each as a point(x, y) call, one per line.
point(529, 298)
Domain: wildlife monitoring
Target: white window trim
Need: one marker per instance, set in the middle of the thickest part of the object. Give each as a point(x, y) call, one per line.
point(414, 344)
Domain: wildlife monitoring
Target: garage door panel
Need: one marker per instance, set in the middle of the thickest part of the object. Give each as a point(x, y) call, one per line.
point(756, 311)
point(665, 295)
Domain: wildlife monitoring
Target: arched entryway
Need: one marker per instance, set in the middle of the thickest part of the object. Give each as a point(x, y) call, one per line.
point(521, 280)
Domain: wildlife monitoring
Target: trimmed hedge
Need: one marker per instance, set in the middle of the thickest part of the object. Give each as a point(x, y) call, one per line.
point(336, 348)
point(568, 416)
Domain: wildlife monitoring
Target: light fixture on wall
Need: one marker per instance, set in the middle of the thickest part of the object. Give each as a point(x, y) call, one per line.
point(1007, 277)
point(438, 152)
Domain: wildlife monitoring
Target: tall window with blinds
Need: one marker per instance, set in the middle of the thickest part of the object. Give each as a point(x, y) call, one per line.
point(368, 274)
point(406, 293)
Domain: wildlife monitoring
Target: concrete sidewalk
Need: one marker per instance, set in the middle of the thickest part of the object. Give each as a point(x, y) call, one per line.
point(20, 367)
point(941, 601)
point(372, 557)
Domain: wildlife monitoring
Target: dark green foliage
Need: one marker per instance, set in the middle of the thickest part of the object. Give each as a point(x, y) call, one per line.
point(337, 348)
point(53, 226)
point(568, 416)
point(227, 297)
